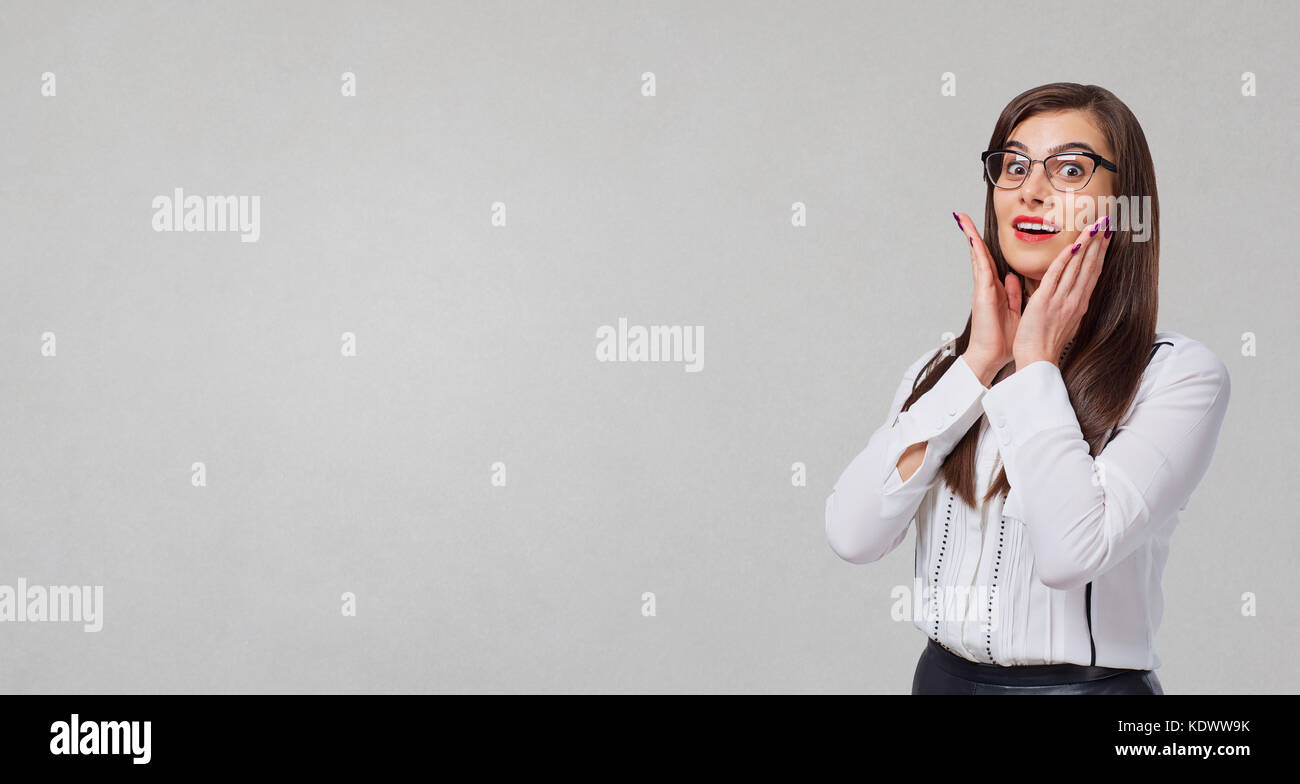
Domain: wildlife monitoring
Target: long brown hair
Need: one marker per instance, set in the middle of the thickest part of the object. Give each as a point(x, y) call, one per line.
point(1104, 365)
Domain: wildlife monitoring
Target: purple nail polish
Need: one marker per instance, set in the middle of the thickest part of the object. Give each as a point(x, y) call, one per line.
point(1093, 233)
point(954, 217)
point(972, 241)
point(1076, 247)
point(1107, 234)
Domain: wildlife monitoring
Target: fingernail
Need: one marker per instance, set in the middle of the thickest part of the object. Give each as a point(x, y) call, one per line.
point(1093, 233)
point(972, 241)
point(1107, 234)
point(1107, 221)
point(1076, 247)
point(954, 217)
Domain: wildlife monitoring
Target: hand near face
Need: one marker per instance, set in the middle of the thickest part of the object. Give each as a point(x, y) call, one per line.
point(1056, 307)
point(995, 308)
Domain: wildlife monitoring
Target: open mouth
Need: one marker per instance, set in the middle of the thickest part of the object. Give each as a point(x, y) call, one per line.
point(1031, 229)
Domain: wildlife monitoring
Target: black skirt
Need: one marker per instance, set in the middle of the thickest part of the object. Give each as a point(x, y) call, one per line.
point(940, 671)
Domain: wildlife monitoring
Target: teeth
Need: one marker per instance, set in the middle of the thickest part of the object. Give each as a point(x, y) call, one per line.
point(1028, 226)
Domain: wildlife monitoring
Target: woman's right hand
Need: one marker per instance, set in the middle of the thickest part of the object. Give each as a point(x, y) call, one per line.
point(995, 309)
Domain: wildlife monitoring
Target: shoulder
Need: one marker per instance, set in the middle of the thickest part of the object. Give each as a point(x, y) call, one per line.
point(1184, 369)
point(1176, 357)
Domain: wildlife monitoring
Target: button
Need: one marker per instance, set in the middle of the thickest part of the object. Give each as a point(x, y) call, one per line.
point(1002, 422)
point(952, 413)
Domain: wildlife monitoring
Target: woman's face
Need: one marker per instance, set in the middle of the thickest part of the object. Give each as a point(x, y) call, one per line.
point(1037, 137)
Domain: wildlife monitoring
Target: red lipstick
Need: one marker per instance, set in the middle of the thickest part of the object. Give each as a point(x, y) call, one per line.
point(1035, 229)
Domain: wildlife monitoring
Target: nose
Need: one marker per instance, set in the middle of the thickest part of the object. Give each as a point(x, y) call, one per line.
point(1036, 188)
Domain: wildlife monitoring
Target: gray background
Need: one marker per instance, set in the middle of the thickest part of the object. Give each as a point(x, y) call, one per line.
point(476, 344)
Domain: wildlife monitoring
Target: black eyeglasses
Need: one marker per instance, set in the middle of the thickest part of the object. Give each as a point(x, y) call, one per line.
point(1066, 171)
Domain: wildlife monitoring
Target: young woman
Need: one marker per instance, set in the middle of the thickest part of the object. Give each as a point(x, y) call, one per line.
point(1046, 452)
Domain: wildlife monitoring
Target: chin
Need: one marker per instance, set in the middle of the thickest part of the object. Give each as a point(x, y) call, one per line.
point(1031, 266)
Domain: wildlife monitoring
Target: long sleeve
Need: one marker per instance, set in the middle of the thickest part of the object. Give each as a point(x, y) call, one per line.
point(870, 506)
point(1084, 516)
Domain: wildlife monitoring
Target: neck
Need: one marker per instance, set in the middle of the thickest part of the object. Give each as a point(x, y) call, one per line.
point(1030, 286)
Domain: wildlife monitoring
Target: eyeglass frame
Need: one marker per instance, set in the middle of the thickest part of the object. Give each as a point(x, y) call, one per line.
point(1096, 159)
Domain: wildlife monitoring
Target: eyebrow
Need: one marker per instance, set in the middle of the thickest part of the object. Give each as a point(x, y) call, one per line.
point(1056, 149)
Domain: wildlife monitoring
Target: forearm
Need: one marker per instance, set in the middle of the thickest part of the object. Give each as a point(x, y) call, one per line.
point(873, 501)
point(1083, 514)
point(912, 459)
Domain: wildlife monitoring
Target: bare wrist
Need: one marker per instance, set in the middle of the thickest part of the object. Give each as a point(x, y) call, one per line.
point(984, 369)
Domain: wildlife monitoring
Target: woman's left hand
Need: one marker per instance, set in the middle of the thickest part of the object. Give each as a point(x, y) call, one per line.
point(1056, 307)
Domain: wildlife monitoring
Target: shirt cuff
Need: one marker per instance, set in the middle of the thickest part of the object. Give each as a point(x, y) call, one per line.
point(1030, 401)
point(940, 417)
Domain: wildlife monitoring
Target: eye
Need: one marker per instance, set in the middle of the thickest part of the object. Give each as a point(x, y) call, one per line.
point(1016, 168)
point(1071, 167)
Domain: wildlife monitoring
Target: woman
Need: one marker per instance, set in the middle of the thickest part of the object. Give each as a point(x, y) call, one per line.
point(1046, 452)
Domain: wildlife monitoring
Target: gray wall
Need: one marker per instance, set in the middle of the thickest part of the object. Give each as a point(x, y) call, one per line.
point(475, 343)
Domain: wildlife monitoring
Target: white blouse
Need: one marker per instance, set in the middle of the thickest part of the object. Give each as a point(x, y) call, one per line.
point(1068, 569)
